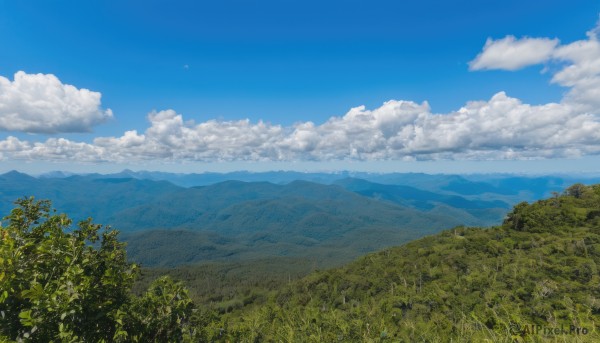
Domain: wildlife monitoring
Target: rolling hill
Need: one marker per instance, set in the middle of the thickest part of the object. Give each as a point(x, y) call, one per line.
point(256, 219)
point(297, 219)
point(534, 278)
point(467, 211)
point(333, 220)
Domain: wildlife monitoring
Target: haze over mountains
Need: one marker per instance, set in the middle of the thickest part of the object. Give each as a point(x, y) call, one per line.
point(170, 219)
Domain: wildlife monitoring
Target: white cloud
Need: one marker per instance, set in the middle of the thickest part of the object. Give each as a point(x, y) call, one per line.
point(53, 149)
point(510, 53)
point(40, 103)
point(581, 73)
point(499, 128)
point(170, 138)
point(578, 64)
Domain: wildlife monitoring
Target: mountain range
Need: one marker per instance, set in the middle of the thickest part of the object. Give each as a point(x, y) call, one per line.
point(171, 219)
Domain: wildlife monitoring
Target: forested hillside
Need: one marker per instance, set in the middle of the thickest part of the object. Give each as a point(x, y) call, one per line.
point(173, 219)
point(534, 278)
point(169, 225)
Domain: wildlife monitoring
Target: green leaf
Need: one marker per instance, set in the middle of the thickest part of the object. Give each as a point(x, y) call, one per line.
point(25, 314)
point(25, 318)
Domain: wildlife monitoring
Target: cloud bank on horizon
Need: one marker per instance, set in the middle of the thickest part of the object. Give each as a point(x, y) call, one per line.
point(497, 129)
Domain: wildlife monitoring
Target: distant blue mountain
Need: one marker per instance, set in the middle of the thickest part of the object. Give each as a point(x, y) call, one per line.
point(253, 215)
point(411, 196)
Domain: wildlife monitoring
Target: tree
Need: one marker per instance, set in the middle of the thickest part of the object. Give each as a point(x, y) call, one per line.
point(59, 283)
point(577, 190)
point(161, 313)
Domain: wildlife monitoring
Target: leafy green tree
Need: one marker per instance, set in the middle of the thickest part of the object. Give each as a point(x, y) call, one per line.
point(59, 283)
point(160, 314)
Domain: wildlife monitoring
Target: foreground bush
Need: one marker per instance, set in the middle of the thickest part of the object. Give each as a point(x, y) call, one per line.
point(59, 283)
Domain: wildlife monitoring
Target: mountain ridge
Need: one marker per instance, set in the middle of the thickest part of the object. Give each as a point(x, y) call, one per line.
point(275, 219)
point(533, 278)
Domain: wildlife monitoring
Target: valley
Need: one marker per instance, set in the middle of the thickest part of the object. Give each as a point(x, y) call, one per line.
point(355, 259)
point(176, 219)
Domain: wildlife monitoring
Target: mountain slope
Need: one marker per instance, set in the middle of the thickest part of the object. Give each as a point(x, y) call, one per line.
point(260, 220)
point(468, 211)
point(535, 278)
point(83, 196)
point(333, 223)
point(257, 219)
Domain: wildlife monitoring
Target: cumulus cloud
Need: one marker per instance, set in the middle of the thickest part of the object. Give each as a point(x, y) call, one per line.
point(501, 127)
point(169, 137)
point(510, 53)
point(53, 149)
point(41, 103)
point(578, 64)
point(581, 73)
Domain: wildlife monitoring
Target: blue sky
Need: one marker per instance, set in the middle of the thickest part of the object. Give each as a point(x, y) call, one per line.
point(185, 75)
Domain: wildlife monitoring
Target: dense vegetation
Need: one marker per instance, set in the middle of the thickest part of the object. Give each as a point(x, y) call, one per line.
point(174, 219)
point(533, 278)
point(166, 225)
point(71, 285)
point(223, 287)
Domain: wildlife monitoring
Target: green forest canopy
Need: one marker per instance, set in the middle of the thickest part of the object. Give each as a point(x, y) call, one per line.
point(65, 285)
point(533, 278)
